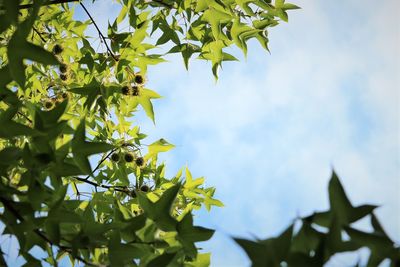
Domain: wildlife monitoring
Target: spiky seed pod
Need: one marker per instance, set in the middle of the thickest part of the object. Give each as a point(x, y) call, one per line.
point(125, 90)
point(128, 157)
point(48, 104)
point(63, 68)
point(135, 90)
point(115, 157)
point(139, 161)
point(63, 76)
point(57, 49)
point(144, 188)
point(65, 95)
point(139, 79)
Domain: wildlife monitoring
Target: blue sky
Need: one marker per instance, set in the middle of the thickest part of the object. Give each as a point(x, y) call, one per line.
point(268, 133)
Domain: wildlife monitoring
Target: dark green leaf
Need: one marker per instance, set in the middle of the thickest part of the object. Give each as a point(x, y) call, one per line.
point(82, 149)
point(189, 234)
point(10, 155)
point(255, 251)
point(162, 260)
point(160, 211)
point(338, 200)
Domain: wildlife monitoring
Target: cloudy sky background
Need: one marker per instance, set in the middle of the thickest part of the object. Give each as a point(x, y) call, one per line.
point(269, 132)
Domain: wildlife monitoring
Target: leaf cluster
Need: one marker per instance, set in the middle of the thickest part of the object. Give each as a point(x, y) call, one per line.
point(63, 116)
point(314, 239)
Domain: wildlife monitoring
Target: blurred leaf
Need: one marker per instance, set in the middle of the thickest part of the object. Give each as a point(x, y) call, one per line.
point(189, 234)
point(162, 260)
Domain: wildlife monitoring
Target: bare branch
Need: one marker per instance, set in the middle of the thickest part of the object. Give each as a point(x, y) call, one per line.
point(122, 189)
point(98, 30)
point(101, 161)
point(40, 36)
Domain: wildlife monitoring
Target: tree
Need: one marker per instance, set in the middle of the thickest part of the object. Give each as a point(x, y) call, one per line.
point(63, 102)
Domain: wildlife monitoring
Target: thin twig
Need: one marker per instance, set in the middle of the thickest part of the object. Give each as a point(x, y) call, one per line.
point(77, 190)
point(98, 30)
point(101, 161)
point(115, 187)
point(23, 115)
point(40, 36)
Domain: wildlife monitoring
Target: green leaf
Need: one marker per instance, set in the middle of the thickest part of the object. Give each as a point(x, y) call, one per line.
point(360, 212)
point(121, 254)
point(5, 77)
point(162, 260)
point(36, 53)
point(377, 226)
point(307, 239)
point(10, 128)
point(18, 49)
point(160, 211)
point(16, 66)
point(11, 11)
point(288, 6)
point(255, 252)
point(215, 18)
point(278, 247)
point(189, 234)
point(91, 91)
point(354, 214)
point(159, 146)
point(147, 107)
point(202, 260)
point(338, 200)
point(10, 155)
point(82, 149)
point(374, 241)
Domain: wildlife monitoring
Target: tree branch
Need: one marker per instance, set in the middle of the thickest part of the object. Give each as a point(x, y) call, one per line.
point(122, 189)
point(23, 115)
point(101, 161)
point(98, 30)
point(40, 36)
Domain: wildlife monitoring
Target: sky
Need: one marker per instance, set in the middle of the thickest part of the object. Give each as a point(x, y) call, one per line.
point(268, 133)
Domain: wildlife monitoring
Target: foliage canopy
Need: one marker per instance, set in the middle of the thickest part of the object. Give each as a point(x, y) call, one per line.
point(313, 240)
